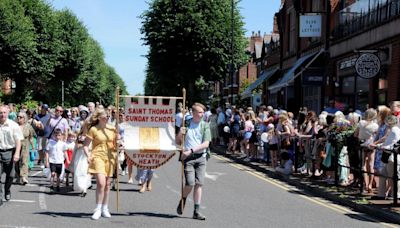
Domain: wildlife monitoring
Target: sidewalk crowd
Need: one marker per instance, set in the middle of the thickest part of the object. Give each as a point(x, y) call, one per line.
point(359, 145)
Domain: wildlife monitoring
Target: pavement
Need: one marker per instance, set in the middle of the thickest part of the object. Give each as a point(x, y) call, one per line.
point(383, 210)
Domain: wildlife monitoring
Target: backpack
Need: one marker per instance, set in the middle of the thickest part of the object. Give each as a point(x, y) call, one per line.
point(203, 131)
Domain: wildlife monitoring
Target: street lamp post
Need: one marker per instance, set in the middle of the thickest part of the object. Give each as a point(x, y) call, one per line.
point(62, 93)
point(231, 67)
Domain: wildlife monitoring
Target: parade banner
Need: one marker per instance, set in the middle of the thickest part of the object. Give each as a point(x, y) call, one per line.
point(149, 123)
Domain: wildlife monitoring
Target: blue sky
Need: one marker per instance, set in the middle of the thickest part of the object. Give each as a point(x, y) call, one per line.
point(116, 26)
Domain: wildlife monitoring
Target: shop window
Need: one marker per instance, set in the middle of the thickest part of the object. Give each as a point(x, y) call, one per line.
point(348, 85)
point(362, 85)
point(382, 98)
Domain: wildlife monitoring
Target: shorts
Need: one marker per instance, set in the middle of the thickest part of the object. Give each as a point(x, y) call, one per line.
point(247, 135)
point(253, 138)
point(234, 132)
point(195, 171)
point(41, 143)
point(56, 168)
point(273, 146)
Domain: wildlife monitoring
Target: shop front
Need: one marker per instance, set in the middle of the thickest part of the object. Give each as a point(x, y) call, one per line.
point(361, 80)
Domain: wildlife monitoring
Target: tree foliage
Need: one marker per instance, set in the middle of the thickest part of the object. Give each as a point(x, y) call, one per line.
point(41, 47)
point(189, 40)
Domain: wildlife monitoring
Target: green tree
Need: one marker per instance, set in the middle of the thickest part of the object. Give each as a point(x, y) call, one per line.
point(189, 40)
point(41, 47)
point(17, 40)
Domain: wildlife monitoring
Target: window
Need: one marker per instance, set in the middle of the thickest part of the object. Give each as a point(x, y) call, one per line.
point(348, 85)
point(292, 36)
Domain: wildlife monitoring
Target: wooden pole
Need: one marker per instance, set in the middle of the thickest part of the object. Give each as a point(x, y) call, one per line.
point(183, 144)
point(117, 141)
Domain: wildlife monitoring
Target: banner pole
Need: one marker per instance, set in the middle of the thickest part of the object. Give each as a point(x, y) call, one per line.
point(183, 144)
point(117, 141)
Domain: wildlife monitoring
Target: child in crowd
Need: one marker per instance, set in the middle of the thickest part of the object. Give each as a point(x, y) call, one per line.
point(286, 168)
point(273, 144)
point(56, 152)
point(70, 148)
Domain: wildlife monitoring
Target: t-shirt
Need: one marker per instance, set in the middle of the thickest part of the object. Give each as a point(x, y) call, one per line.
point(178, 119)
point(44, 119)
point(56, 123)
point(194, 136)
point(56, 150)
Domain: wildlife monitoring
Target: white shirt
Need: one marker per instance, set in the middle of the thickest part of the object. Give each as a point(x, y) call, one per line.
point(367, 129)
point(10, 132)
point(178, 119)
point(56, 150)
point(392, 138)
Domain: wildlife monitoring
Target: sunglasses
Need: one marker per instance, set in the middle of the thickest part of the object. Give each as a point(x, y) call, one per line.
point(20, 117)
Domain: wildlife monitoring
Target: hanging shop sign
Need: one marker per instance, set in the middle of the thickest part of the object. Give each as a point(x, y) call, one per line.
point(313, 77)
point(368, 65)
point(310, 26)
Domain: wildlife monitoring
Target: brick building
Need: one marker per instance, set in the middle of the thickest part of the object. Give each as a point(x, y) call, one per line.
point(362, 29)
point(354, 28)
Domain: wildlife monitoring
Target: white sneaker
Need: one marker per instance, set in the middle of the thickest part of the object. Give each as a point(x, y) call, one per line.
point(105, 213)
point(96, 215)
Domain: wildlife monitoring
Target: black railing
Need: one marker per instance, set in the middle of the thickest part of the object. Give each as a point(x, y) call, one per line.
point(362, 21)
point(358, 171)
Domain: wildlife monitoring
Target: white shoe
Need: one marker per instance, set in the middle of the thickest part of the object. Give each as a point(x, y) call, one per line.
point(105, 213)
point(97, 213)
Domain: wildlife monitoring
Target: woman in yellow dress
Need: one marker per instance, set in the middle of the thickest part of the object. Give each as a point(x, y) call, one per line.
point(102, 158)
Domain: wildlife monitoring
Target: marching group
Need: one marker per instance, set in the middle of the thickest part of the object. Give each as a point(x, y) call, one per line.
point(83, 141)
point(361, 143)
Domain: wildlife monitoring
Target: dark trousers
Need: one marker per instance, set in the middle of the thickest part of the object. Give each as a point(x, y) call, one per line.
point(6, 166)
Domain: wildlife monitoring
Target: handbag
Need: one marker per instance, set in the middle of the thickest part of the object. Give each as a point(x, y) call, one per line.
point(121, 156)
point(385, 157)
point(286, 143)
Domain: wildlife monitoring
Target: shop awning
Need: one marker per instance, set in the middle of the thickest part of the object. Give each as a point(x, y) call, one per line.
point(289, 76)
point(264, 76)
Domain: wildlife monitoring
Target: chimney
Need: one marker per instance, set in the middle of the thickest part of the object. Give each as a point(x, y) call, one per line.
point(275, 28)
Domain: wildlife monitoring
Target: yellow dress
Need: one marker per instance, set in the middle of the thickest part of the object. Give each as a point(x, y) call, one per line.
point(103, 150)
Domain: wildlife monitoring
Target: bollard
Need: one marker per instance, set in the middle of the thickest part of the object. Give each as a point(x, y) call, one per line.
point(395, 177)
point(360, 171)
point(336, 163)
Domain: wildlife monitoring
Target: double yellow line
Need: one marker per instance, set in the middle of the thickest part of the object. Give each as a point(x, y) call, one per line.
point(284, 186)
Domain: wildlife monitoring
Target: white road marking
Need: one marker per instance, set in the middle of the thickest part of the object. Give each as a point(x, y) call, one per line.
point(316, 200)
point(42, 199)
point(155, 175)
point(32, 185)
point(11, 226)
point(22, 201)
point(213, 175)
point(37, 173)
